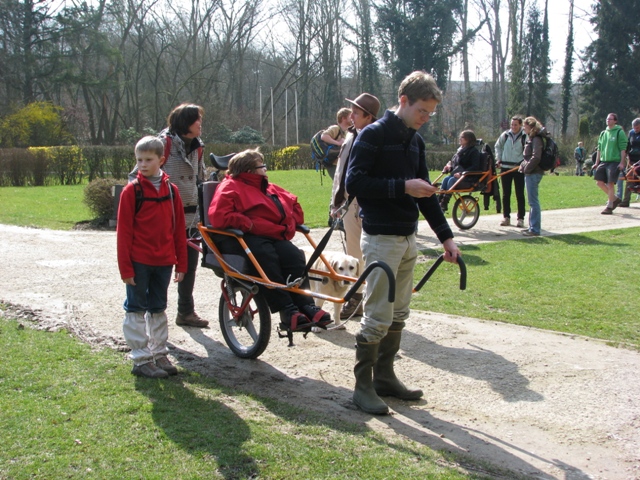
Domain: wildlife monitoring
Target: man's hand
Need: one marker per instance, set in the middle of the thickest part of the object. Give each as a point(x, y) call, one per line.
point(129, 281)
point(178, 277)
point(451, 251)
point(418, 188)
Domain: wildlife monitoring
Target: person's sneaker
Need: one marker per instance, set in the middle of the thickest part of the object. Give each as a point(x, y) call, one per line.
point(191, 320)
point(163, 362)
point(319, 317)
point(624, 204)
point(520, 223)
point(505, 222)
point(149, 370)
point(607, 211)
point(616, 203)
point(292, 318)
point(530, 233)
point(352, 308)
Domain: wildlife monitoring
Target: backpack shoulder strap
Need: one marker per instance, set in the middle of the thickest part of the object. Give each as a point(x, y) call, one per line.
point(167, 147)
point(137, 188)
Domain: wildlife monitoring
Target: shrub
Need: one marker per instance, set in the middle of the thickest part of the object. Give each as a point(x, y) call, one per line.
point(95, 158)
point(98, 197)
point(66, 163)
point(121, 161)
point(40, 168)
point(37, 124)
point(246, 135)
point(283, 159)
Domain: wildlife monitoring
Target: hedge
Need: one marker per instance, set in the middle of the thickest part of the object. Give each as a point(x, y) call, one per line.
point(70, 165)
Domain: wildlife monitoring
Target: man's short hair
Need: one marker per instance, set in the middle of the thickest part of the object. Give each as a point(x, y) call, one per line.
point(150, 144)
point(244, 161)
point(614, 115)
point(517, 118)
point(419, 85)
point(343, 113)
point(635, 122)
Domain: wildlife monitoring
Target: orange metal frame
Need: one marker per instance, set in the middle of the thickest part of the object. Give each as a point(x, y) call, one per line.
point(262, 277)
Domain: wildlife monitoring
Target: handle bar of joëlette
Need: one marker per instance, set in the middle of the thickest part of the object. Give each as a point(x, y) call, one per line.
point(434, 267)
point(391, 296)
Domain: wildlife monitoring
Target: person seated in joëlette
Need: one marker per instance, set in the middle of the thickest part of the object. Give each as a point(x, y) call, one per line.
point(267, 215)
point(466, 159)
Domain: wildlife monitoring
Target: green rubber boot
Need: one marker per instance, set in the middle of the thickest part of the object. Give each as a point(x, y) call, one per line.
point(364, 395)
point(385, 381)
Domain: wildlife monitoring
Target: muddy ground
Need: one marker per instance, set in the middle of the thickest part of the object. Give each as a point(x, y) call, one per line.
point(546, 405)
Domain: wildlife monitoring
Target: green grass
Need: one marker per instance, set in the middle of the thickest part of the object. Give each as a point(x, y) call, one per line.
point(61, 207)
point(580, 284)
point(72, 412)
point(57, 207)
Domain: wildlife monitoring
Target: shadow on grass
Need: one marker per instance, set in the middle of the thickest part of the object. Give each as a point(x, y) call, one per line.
point(202, 426)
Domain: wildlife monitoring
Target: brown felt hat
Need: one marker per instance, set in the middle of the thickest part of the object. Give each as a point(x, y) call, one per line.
point(368, 103)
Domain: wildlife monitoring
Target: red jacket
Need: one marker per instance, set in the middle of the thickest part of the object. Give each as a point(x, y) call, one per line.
point(156, 234)
point(248, 202)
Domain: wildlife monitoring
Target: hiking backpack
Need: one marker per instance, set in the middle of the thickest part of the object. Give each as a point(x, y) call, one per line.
point(323, 154)
point(140, 198)
point(550, 157)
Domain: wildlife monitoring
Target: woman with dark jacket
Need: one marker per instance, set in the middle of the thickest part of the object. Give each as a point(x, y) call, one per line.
point(466, 159)
point(268, 216)
point(533, 174)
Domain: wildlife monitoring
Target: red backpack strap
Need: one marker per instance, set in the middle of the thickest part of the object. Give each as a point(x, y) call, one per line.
point(200, 153)
point(167, 147)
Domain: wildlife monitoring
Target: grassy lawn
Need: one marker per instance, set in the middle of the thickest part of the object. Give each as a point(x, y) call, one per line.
point(61, 207)
point(72, 412)
point(568, 283)
point(58, 207)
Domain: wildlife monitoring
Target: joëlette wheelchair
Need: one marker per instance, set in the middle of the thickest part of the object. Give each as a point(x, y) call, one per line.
point(244, 316)
point(467, 189)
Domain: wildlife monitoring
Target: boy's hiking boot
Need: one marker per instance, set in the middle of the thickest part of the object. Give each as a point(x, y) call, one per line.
point(520, 223)
point(163, 362)
point(506, 221)
point(191, 320)
point(149, 370)
point(607, 211)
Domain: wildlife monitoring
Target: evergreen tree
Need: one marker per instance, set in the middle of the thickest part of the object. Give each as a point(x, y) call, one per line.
point(537, 66)
point(566, 77)
point(610, 80)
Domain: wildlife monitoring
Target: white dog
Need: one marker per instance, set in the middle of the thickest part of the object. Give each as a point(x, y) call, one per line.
point(343, 264)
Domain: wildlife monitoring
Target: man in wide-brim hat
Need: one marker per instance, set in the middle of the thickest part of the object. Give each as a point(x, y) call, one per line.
point(364, 111)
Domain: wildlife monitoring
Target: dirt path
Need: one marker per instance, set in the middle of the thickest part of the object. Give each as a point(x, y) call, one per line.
point(543, 404)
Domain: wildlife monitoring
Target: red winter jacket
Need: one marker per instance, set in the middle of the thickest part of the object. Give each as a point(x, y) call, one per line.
point(155, 235)
point(248, 202)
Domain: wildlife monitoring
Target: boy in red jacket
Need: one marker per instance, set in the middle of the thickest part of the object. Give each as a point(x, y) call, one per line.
point(151, 241)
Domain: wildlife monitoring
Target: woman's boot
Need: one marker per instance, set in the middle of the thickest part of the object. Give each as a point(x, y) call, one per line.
point(385, 381)
point(364, 395)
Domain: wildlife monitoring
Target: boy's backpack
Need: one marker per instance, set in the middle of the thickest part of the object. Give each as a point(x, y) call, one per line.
point(323, 154)
point(550, 157)
point(140, 198)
